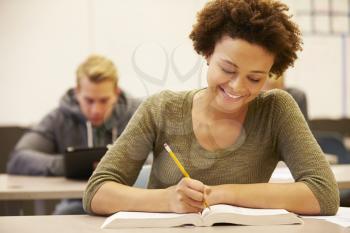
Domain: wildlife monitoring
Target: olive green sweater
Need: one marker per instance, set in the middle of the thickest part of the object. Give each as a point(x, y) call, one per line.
point(274, 130)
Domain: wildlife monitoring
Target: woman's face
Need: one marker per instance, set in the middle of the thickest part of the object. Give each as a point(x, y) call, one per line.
point(236, 74)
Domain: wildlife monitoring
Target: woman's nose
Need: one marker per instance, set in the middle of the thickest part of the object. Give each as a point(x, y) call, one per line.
point(237, 84)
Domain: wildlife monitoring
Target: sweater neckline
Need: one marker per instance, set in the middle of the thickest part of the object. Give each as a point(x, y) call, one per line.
point(188, 126)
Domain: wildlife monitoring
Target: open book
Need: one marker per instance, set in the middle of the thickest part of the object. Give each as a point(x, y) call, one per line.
point(216, 214)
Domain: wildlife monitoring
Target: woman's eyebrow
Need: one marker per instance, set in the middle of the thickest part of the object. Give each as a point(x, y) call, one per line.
point(236, 66)
point(229, 62)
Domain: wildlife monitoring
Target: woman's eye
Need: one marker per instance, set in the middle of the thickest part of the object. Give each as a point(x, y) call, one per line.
point(228, 71)
point(255, 80)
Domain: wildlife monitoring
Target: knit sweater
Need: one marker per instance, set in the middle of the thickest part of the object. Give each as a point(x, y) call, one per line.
point(274, 130)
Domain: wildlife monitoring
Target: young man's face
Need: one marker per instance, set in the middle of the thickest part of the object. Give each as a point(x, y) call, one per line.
point(96, 100)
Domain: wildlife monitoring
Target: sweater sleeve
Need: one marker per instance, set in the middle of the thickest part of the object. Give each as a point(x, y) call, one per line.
point(302, 154)
point(36, 153)
point(124, 160)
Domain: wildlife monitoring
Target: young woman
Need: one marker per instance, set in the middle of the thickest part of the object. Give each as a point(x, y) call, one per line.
point(230, 135)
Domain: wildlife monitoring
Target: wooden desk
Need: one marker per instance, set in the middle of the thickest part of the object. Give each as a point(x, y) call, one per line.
point(42, 188)
point(331, 158)
point(341, 173)
point(39, 187)
point(28, 195)
point(87, 224)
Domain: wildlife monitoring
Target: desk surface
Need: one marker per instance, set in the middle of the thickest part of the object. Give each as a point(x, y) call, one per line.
point(39, 187)
point(86, 224)
point(341, 173)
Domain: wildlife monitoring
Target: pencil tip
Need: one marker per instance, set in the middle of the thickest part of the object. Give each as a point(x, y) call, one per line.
point(167, 148)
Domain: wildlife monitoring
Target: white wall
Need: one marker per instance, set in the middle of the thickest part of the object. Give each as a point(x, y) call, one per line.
point(43, 41)
point(323, 67)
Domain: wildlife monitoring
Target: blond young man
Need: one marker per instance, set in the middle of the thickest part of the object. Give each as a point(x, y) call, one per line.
point(94, 113)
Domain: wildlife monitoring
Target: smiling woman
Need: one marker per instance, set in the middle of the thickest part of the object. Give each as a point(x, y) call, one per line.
point(229, 136)
point(236, 73)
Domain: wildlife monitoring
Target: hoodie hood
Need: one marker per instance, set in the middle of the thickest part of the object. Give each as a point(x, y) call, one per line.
point(69, 105)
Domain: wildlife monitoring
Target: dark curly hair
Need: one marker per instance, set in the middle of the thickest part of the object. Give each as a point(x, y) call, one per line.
point(261, 22)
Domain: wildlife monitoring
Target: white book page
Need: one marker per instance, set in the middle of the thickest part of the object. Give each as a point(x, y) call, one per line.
point(243, 211)
point(146, 215)
point(150, 219)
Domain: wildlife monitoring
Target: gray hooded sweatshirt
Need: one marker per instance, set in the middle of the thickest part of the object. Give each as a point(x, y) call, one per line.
point(40, 150)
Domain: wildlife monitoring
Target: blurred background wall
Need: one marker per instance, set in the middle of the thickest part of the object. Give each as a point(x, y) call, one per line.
point(43, 41)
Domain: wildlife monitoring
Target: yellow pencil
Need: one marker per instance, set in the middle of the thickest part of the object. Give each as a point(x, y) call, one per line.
point(179, 165)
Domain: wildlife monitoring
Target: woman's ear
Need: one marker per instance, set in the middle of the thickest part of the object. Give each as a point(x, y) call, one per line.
point(208, 58)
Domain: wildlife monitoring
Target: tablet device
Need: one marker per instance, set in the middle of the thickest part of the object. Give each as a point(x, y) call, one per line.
point(80, 162)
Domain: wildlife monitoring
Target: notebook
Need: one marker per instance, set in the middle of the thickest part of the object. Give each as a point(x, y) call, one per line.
point(218, 214)
point(80, 162)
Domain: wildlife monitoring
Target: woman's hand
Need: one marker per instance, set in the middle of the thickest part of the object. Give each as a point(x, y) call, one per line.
point(187, 196)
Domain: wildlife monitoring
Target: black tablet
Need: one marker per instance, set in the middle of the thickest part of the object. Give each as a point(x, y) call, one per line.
point(80, 162)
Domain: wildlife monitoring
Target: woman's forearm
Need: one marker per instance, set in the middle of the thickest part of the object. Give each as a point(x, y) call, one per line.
point(295, 197)
point(112, 197)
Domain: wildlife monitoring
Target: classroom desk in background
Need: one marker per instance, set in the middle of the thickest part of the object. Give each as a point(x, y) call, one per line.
point(341, 173)
point(28, 195)
point(13, 187)
point(18, 188)
point(41, 188)
point(87, 224)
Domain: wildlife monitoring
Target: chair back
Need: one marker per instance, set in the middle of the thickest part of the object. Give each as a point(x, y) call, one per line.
point(332, 143)
point(9, 136)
